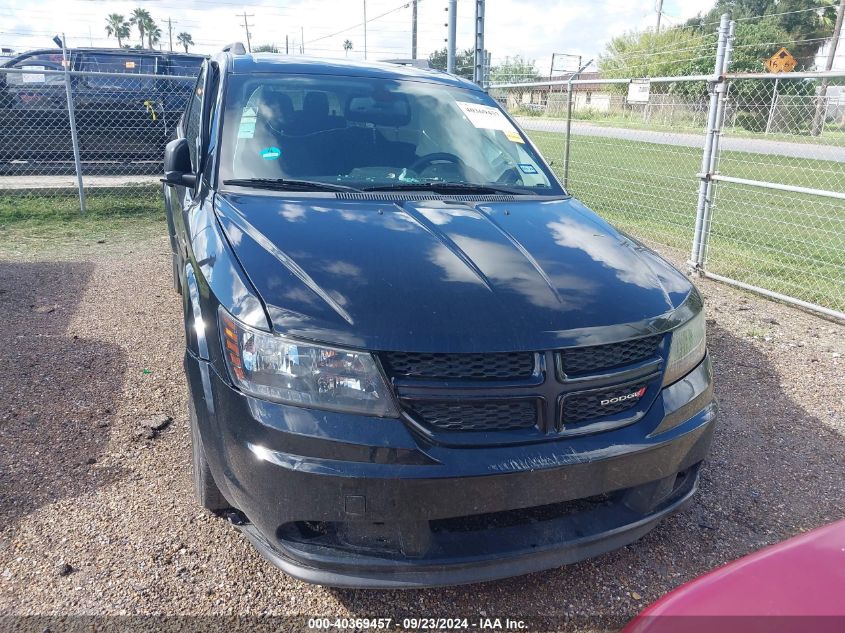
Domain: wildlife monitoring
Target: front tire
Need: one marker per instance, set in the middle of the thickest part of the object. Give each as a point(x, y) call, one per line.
point(206, 490)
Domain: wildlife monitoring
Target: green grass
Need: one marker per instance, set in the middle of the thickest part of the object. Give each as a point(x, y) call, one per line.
point(833, 133)
point(45, 221)
point(790, 243)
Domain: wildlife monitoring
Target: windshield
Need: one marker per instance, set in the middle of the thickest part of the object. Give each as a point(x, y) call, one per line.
point(365, 132)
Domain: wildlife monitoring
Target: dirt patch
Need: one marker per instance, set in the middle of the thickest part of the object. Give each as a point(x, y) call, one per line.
point(89, 353)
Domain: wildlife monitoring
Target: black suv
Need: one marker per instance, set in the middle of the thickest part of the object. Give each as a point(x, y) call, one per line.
point(413, 358)
point(126, 104)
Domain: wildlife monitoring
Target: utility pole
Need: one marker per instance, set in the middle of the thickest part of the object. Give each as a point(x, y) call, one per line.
point(452, 25)
point(478, 56)
point(414, 29)
point(488, 64)
point(821, 105)
point(246, 28)
point(287, 46)
point(170, 33)
point(659, 15)
point(302, 40)
point(365, 29)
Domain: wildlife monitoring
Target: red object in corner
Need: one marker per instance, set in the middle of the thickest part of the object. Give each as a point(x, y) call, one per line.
point(796, 585)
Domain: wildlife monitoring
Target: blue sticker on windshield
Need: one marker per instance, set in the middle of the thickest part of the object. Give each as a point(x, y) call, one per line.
point(271, 153)
point(527, 168)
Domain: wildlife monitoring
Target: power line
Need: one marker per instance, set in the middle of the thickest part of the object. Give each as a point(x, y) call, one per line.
point(355, 26)
point(772, 15)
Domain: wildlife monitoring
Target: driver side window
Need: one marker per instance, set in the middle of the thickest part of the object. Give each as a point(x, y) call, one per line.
point(194, 119)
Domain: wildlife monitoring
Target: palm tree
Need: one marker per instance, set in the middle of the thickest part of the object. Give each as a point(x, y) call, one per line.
point(153, 33)
point(185, 40)
point(142, 19)
point(347, 46)
point(117, 25)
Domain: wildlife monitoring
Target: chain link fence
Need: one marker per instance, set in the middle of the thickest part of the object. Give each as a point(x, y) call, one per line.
point(742, 174)
point(778, 212)
point(85, 139)
point(633, 163)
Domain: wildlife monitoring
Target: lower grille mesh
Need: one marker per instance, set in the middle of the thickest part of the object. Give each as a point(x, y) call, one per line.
point(478, 416)
point(523, 516)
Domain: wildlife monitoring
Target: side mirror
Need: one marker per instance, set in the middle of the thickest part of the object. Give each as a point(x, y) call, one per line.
point(177, 164)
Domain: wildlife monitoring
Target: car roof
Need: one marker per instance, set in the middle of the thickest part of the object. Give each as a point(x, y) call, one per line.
point(302, 65)
point(95, 49)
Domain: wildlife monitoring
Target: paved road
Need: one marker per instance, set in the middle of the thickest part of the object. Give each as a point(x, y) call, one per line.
point(731, 143)
point(68, 181)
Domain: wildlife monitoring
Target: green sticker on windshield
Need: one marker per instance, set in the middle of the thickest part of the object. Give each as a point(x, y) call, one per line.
point(271, 153)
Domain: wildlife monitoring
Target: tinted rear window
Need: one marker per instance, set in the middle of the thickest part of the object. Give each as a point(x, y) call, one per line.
point(33, 64)
point(185, 66)
point(126, 64)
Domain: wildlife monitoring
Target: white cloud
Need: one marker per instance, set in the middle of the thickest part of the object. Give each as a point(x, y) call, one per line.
point(533, 28)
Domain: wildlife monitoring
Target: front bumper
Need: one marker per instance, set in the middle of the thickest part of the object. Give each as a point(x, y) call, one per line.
point(345, 500)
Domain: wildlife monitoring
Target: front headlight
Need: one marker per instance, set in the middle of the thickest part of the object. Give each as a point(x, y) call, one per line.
point(689, 344)
point(277, 368)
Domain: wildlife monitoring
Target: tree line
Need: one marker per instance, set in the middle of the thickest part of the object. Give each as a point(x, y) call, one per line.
point(149, 32)
point(763, 27)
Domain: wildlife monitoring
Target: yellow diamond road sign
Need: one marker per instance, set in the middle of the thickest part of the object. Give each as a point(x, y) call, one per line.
point(781, 62)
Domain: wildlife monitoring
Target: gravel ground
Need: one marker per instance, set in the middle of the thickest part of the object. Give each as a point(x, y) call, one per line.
point(96, 517)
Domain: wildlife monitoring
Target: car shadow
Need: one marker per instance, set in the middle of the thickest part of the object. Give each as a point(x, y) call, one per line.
point(58, 390)
point(775, 470)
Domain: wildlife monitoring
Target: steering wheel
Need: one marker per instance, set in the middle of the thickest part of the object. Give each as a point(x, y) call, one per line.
point(510, 176)
point(436, 157)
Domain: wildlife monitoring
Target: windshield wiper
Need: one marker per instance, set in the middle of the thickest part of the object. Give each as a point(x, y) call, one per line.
point(284, 184)
point(447, 188)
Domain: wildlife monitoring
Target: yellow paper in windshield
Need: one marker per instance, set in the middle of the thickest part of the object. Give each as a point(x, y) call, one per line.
point(489, 118)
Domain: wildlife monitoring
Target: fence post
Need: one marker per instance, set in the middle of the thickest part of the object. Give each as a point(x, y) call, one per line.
point(66, 62)
point(569, 122)
point(707, 155)
point(772, 107)
point(722, 89)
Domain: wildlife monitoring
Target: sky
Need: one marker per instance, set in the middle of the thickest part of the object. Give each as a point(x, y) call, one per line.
point(532, 28)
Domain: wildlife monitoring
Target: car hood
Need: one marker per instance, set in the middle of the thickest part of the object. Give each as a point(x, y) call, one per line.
point(444, 275)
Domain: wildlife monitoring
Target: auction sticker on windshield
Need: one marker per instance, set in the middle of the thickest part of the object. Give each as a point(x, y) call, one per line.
point(489, 118)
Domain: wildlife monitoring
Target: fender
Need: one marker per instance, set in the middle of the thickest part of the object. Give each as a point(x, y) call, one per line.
point(218, 273)
point(196, 325)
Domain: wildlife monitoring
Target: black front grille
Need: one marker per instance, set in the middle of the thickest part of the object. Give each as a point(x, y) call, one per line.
point(501, 415)
point(590, 405)
point(581, 360)
point(493, 366)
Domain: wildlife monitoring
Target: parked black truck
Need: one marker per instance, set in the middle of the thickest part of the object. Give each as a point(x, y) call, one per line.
point(413, 357)
point(126, 104)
